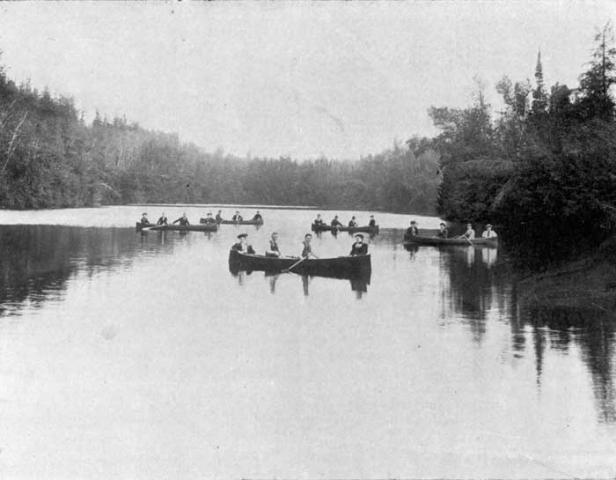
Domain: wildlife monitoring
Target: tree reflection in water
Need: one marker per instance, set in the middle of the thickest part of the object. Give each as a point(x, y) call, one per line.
point(476, 283)
point(37, 260)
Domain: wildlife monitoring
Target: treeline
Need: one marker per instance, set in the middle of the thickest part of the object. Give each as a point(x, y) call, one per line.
point(50, 157)
point(544, 169)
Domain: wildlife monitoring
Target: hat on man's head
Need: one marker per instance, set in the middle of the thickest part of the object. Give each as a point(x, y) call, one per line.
point(489, 225)
point(359, 235)
point(144, 214)
point(244, 235)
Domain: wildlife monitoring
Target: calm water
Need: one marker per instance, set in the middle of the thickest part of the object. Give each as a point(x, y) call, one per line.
point(140, 356)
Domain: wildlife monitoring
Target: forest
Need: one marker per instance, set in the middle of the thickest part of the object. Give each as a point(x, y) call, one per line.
point(544, 168)
point(50, 157)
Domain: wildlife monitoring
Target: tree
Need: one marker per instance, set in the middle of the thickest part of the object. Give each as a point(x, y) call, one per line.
point(595, 84)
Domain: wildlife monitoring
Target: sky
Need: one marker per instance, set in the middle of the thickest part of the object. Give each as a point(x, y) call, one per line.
point(300, 79)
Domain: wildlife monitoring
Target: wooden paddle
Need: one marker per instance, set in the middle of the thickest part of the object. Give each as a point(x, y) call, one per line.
point(287, 270)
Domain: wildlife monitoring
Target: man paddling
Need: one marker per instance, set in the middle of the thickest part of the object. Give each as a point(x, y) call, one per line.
point(219, 216)
point(359, 247)
point(335, 222)
point(307, 248)
point(243, 246)
point(237, 217)
point(372, 222)
point(412, 231)
point(318, 221)
point(162, 220)
point(353, 222)
point(183, 220)
point(273, 250)
point(258, 217)
point(144, 219)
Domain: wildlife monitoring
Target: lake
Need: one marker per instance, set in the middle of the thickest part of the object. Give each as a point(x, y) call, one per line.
point(129, 355)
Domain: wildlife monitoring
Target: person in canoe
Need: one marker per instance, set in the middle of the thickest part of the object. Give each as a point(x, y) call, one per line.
point(442, 231)
point(242, 245)
point(273, 250)
point(258, 217)
point(183, 220)
point(219, 216)
point(335, 223)
point(469, 234)
point(359, 247)
point(209, 218)
point(412, 231)
point(352, 222)
point(237, 217)
point(372, 222)
point(144, 219)
point(318, 221)
point(307, 248)
point(488, 232)
point(162, 220)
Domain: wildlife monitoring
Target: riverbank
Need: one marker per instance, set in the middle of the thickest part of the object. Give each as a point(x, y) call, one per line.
point(586, 283)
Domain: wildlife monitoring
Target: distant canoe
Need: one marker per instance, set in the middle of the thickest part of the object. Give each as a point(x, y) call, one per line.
point(234, 222)
point(358, 266)
point(328, 228)
point(209, 227)
point(437, 241)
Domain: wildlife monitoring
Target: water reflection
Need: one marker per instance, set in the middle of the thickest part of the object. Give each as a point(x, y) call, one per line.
point(36, 261)
point(475, 284)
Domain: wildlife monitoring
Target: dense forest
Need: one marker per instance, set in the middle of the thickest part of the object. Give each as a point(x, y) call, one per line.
point(544, 169)
point(50, 157)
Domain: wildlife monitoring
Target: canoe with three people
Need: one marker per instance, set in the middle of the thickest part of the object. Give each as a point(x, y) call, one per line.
point(357, 264)
point(335, 226)
point(489, 237)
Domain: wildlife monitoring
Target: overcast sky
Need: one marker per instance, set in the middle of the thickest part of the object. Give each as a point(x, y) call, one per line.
point(300, 79)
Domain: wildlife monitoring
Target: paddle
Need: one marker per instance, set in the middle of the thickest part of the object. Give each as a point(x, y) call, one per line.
point(287, 270)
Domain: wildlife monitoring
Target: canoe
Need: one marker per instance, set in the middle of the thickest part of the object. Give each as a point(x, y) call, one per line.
point(437, 241)
point(358, 266)
point(232, 222)
point(210, 227)
point(329, 228)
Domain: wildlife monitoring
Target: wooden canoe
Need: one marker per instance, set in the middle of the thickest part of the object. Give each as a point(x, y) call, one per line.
point(233, 222)
point(201, 227)
point(437, 241)
point(358, 266)
point(329, 228)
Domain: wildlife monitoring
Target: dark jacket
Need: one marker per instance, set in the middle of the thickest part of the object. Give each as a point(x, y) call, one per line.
point(145, 221)
point(443, 233)
point(372, 222)
point(352, 223)
point(307, 250)
point(162, 221)
point(182, 221)
point(257, 217)
point(237, 218)
point(336, 223)
point(411, 232)
point(238, 247)
point(318, 221)
point(218, 218)
point(358, 249)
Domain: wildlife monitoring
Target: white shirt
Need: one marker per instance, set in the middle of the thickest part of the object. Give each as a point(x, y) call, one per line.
point(489, 234)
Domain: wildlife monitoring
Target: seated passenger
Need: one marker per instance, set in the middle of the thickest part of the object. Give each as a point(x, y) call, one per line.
point(219, 216)
point(162, 220)
point(209, 218)
point(489, 233)
point(273, 250)
point(183, 220)
point(359, 247)
point(372, 222)
point(243, 246)
point(443, 232)
point(318, 220)
point(237, 217)
point(352, 223)
point(412, 231)
point(144, 219)
point(257, 217)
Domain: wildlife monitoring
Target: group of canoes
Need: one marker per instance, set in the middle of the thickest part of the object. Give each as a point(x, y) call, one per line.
point(469, 237)
point(319, 225)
